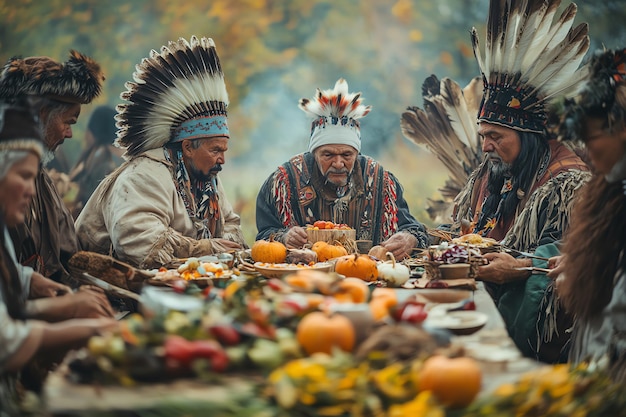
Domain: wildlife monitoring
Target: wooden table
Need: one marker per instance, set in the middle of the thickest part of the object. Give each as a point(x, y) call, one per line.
point(500, 360)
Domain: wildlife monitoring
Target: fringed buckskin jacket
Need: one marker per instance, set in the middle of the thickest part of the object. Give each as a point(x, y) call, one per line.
point(530, 308)
point(137, 215)
point(47, 238)
point(295, 195)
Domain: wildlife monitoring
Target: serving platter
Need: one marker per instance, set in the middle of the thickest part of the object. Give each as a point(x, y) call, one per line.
point(279, 270)
point(462, 322)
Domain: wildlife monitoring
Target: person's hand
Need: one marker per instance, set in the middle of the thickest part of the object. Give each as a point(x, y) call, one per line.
point(400, 244)
point(557, 265)
point(500, 268)
point(41, 287)
point(88, 302)
point(101, 325)
point(224, 245)
point(296, 237)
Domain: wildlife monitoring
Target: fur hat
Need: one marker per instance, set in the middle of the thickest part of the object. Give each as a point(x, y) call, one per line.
point(79, 80)
point(336, 113)
point(528, 61)
point(177, 94)
point(20, 127)
point(602, 94)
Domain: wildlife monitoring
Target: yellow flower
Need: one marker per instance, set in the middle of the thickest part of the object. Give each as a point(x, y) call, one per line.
point(422, 405)
point(505, 390)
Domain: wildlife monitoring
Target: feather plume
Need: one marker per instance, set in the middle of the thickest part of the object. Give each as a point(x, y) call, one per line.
point(336, 102)
point(528, 60)
point(182, 81)
point(447, 128)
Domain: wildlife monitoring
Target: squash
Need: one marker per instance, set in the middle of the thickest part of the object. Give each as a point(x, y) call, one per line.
point(455, 382)
point(326, 251)
point(269, 251)
point(383, 299)
point(318, 332)
point(359, 266)
point(395, 274)
point(351, 290)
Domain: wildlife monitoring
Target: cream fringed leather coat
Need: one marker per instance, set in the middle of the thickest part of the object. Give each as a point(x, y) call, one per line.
point(137, 216)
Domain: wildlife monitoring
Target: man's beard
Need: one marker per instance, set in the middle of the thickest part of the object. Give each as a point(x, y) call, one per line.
point(498, 168)
point(47, 157)
point(201, 176)
point(337, 171)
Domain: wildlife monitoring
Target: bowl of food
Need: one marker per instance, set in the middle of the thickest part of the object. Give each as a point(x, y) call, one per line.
point(280, 270)
point(329, 232)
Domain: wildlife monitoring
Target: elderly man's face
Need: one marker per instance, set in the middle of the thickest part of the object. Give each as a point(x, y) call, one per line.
point(605, 148)
point(501, 144)
point(58, 126)
point(205, 160)
point(336, 162)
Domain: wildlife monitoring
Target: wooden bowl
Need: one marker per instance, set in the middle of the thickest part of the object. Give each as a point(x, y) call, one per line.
point(442, 295)
point(454, 271)
point(330, 235)
point(459, 322)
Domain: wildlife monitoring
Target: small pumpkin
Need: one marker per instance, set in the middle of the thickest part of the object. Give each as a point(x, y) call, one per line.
point(454, 381)
point(269, 251)
point(359, 266)
point(326, 251)
point(318, 332)
point(392, 272)
point(383, 300)
point(351, 290)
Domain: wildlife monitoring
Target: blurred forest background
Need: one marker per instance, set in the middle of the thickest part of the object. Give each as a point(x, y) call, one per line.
point(276, 51)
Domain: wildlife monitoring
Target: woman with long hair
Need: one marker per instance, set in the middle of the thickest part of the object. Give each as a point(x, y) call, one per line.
point(22, 339)
point(592, 274)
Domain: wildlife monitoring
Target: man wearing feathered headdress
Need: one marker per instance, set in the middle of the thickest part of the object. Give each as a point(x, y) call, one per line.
point(47, 239)
point(166, 202)
point(334, 182)
point(523, 192)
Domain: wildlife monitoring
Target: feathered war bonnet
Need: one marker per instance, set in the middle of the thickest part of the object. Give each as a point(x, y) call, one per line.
point(78, 80)
point(335, 113)
point(528, 61)
point(602, 95)
point(178, 94)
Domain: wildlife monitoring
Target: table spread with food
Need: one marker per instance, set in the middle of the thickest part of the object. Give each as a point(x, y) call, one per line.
point(338, 328)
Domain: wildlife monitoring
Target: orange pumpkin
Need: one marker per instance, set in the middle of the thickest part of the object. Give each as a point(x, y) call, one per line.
point(359, 266)
point(455, 382)
point(326, 251)
point(269, 251)
point(351, 290)
point(382, 301)
point(318, 332)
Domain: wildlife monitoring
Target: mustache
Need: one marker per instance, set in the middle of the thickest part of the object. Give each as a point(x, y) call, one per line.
point(493, 156)
point(216, 168)
point(337, 171)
